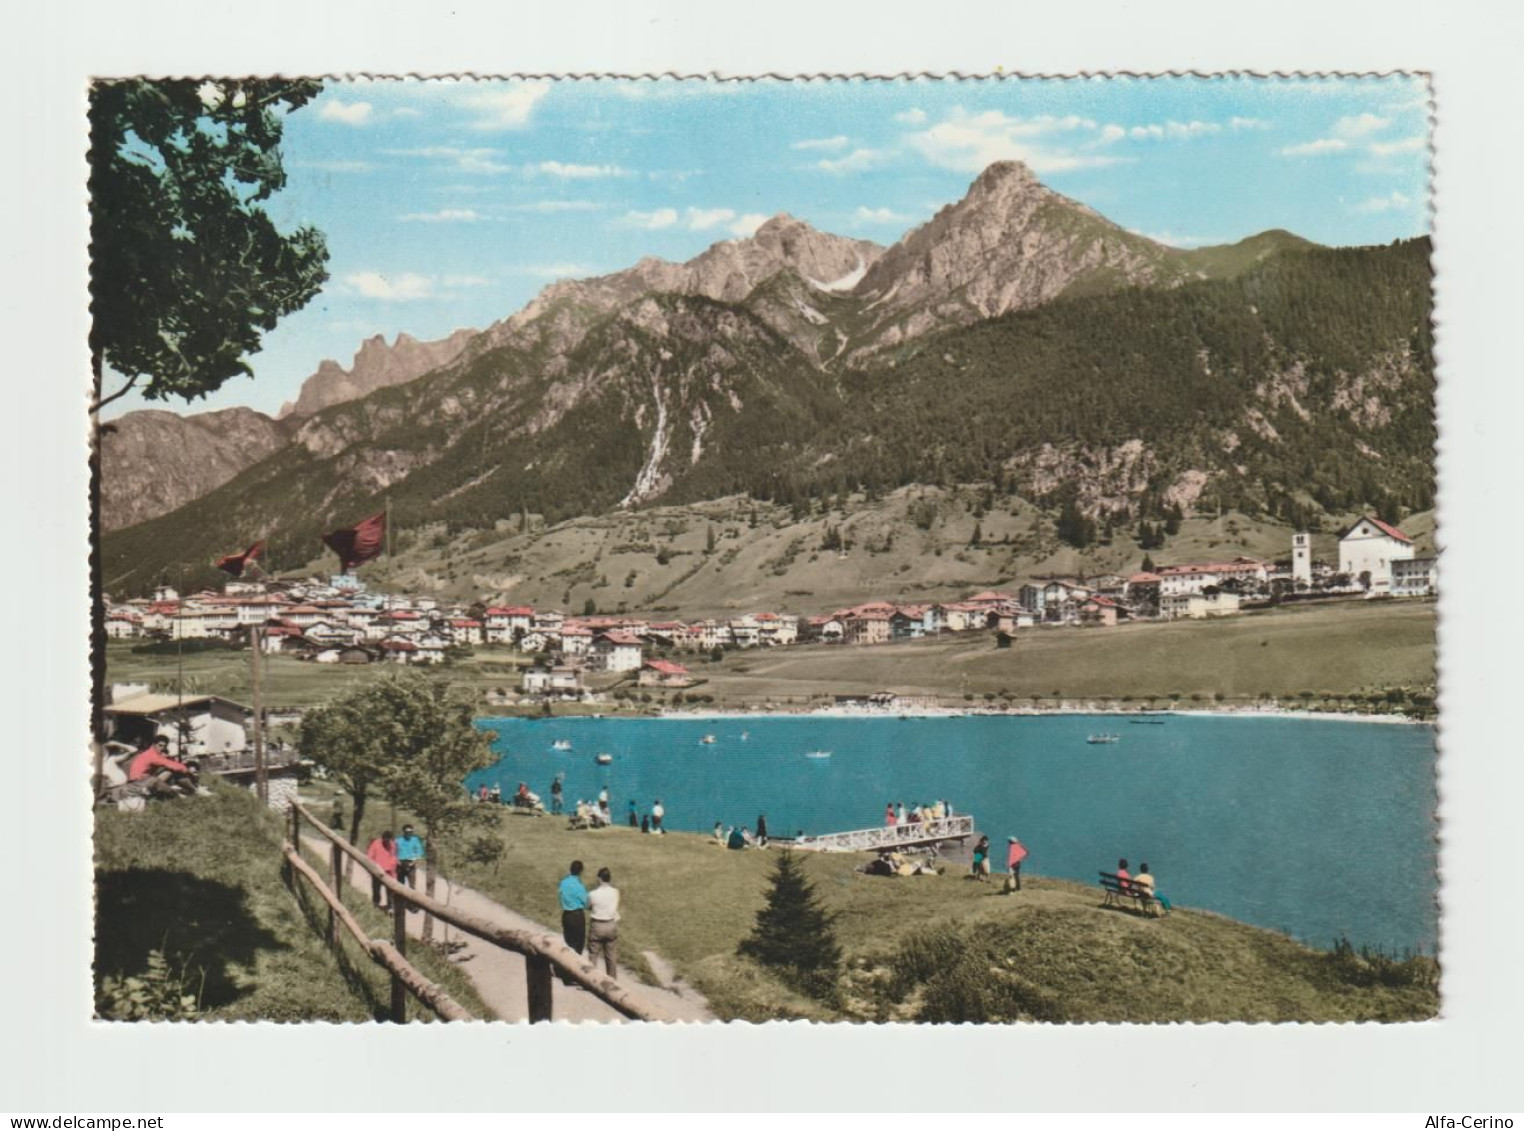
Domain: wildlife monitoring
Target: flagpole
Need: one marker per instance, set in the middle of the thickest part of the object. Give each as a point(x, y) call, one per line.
point(261, 780)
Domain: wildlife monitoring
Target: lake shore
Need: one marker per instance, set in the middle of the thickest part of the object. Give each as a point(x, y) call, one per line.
point(1004, 712)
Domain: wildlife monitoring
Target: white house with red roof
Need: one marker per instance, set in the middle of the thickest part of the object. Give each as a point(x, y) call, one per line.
point(664, 673)
point(614, 651)
point(464, 631)
point(1371, 546)
point(576, 639)
point(505, 624)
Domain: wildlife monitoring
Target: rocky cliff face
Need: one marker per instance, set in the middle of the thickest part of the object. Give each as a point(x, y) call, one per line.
point(154, 462)
point(557, 319)
point(376, 365)
point(1009, 244)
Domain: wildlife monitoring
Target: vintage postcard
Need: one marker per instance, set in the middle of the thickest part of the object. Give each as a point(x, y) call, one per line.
point(906, 551)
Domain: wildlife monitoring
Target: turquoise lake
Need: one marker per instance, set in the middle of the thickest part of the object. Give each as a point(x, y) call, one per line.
point(1321, 829)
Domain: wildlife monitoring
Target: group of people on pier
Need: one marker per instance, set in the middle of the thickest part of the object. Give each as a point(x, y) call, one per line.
point(897, 816)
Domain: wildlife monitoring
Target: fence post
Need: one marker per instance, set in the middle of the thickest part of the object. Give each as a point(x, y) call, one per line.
point(296, 826)
point(337, 881)
point(399, 940)
point(538, 970)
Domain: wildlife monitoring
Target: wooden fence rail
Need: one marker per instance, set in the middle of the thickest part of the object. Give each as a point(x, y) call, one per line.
point(545, 954)
point(381, 952)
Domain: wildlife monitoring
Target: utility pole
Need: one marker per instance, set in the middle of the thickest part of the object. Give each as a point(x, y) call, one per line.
point(261, 782)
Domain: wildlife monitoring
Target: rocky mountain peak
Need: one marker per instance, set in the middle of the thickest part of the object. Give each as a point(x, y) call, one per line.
point(376, 365)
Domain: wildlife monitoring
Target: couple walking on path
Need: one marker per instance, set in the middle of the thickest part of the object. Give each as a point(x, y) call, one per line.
point(398, 857)
point(601, 906)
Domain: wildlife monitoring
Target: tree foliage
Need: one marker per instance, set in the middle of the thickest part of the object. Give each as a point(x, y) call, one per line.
point(794, 934)
point(188, 268)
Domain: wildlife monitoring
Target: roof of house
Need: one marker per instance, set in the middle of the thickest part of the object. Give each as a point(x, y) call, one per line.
point(1385, 527)
point(1144, 578)
point(157, 704)
point(617, 637)
point(666, 667)
point(510, 611)
point(399, 646)
point(465, 622)
point(992, 595)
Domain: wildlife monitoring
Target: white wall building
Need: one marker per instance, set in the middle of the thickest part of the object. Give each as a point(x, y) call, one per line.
point(1301, 559)
point(1371, 546)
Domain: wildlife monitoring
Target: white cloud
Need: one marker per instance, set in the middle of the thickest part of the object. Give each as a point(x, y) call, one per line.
point(865, 215)
point(971, 142)
point(508, 109)
point(333, 166)
point(465, 160)
point(555, 270)
point(444, 215)
point(577, 172)
point(1170, 239)
point(702, 219)
point(1406, 145)
point(407, 112)
point(1392, 202)
point(1316, 148)
point(406, 287)
point(912, 117)
point(837, 142)
point(855, 162)
point(1359, 125)
point(350, 113)
point(694, 220)
point(1175, 131)
point(1110, 133)
point(650, 221)
point(1237, 123)
point(549, 206)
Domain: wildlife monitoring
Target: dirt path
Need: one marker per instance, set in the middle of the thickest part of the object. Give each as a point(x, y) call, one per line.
point(499, 975)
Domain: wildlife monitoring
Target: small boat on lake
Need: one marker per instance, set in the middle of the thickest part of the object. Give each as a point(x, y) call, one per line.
point(604, 759)
point(707, 740)
point(561, 744)
point(818, 754)
point(1103, 739)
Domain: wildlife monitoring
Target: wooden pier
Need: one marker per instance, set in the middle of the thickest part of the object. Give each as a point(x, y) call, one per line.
point(886, 838)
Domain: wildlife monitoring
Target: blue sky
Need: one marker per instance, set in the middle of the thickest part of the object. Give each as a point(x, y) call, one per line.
point(450, 204)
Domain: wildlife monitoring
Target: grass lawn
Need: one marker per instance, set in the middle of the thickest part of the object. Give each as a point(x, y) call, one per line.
point(200, 880)
point(1348, 647)
point(693, 902)
point(289, 682)
point(1338, 649)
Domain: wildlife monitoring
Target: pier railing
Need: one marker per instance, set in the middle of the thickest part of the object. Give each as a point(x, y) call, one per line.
point(545, 954)
point(887, 837)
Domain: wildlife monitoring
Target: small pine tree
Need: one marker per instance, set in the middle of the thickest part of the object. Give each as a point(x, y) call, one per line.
point(794, 934)
point(978, 534)
point(1148, 564)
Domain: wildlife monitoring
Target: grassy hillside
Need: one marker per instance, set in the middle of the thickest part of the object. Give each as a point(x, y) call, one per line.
point(1223, 394)
point(692, 903)
point(736, 555)
point(199, 880)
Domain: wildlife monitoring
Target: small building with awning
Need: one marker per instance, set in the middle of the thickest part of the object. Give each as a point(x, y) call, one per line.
point(196, 725)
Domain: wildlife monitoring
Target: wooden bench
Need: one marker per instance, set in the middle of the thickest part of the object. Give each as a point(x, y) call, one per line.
point(1120, 892)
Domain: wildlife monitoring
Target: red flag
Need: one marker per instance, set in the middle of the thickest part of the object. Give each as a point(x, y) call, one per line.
point(360, 543)
point(234, 563)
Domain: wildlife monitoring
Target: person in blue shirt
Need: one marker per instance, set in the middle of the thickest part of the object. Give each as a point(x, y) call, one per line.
point(574, 909)
point(409, 852)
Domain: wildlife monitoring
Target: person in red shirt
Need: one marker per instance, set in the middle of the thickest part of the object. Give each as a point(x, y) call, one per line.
point(1124, 875)
point(1014, 856)
point(169, 776)
point(383, 853)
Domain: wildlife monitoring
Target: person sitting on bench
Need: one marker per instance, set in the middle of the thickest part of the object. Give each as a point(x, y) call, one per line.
point(1144, 881)
point(154, 770)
